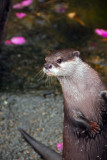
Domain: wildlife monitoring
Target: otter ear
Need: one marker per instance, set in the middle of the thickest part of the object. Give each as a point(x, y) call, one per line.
point(76, 53)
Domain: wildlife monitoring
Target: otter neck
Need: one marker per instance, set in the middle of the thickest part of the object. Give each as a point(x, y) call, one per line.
point(81, 91)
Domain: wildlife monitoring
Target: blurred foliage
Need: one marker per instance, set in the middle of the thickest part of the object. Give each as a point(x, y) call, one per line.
point(51, 25)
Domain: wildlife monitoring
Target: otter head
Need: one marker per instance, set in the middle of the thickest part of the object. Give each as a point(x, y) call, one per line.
point(61, 63)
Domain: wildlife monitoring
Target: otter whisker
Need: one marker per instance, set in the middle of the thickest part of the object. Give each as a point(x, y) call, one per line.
point(40, 75)
point(47, 79)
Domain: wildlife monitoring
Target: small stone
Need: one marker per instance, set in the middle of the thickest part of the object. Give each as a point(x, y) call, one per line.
point(5, 102)
point(27, 152)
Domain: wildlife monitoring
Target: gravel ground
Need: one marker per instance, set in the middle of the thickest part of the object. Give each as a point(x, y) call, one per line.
point(40, 117)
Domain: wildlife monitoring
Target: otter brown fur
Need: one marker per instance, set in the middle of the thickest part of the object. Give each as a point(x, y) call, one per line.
point(85, 110)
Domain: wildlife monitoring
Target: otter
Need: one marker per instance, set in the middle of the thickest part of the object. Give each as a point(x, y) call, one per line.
point(85, 108)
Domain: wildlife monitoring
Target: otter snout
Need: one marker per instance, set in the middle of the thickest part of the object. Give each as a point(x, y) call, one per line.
point(48, 66)
point(48, 69)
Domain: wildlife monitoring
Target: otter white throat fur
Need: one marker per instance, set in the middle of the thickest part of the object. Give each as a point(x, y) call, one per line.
point(85, 107)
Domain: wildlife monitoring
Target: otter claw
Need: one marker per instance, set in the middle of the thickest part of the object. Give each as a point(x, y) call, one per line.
point(94, 127)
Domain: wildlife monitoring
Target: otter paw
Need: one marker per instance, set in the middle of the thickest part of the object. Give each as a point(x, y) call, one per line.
point(94, 127)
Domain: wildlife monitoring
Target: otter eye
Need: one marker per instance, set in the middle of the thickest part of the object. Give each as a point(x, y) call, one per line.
point(59, 60)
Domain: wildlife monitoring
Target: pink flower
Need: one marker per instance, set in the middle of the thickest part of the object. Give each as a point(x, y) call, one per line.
point(18, 40)
point(18, 6)
point(59, 146)
point(61, 8)
point(20, 15)
point(101, 32)
point(7, 42)
point(26, 3)
point(22, 4)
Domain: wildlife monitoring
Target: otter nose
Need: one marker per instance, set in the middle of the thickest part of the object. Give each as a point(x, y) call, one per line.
point(48, 66)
